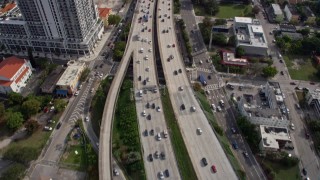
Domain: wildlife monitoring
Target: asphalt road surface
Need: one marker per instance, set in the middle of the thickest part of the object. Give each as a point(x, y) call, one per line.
point(198, 145)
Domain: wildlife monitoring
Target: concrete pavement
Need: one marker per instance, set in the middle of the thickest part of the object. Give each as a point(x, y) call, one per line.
point(198, 146)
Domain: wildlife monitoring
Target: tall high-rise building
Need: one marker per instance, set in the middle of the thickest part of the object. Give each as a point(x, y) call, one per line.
point(51, 26)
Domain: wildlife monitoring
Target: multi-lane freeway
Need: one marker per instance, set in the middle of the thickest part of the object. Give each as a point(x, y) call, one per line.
point(157, 152)
point(190, 117)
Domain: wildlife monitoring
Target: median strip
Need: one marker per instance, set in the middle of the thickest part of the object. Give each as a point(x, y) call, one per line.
point(179, 147)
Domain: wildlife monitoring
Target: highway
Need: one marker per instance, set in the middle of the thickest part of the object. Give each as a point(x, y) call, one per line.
point(157, 121)
point(145, 70)
point(205, 145)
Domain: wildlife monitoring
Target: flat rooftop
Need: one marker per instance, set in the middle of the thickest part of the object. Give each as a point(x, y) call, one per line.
point(271, 135)
point(70, 74)
point(229, 58)
point(244, 20)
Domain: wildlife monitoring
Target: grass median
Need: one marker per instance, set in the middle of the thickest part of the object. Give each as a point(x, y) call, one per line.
point(180, 149)
point(220, 134)
point(126, 146)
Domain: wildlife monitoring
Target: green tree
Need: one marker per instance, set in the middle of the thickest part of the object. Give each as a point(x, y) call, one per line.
point(114, 19)
point(212, 7)
point(220, 22)
point(249, 132)
point(240, 52)
point(15, 171)
point(207, 22)
point(219, 39)
point(59, 104)
point(15, 98)
point(304, 31)
point(21, 154)
point(32, 126)
point(30, 107)
point(2, 110)
point(85, 73)
point(255, 9)
point(14, 120)
point(232, 41)
point(269, 71)
point(119, 49)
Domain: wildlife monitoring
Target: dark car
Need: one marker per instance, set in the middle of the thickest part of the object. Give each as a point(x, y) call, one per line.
point(280, 61)
point(307, 134)
point(101, 65)
point(166, 172)
point(281, 72)
point(183, 107)
point(151, 132)
point(180, 71)
point(148, 105)
point(235, 145)
point(150, 157)
point(139, 78)
point(304, 171)
point(163, 155)
point(144, 82)
point(146, 132)
point(312, 83)
point(96, 67)
point(175, 72)
point(59, 125)
point(204, 161)
point(293, 83)
point(209, 76)
point(153, 106)
point(149, 117)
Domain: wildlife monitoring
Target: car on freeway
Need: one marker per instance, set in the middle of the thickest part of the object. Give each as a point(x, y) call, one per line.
point(163, 155)
point(193, 109)
point(204, 161)
point(148, 105)
point(235, 145)
point(175, 72)
point(144, 113)
point(87, 119)
point(169, 46)
point(304, 171)
point(219, 109)
point(214, 169)
point(76, 94)
point(150, 157)
point(245, 154)
point(180, 70)
point(153, 106)
point(209, 77)
point(165, 133)
point(213, 107)
point(293, 83)
point(101, 65)
point(116, 172)
point(281, 61)
point(158, 109)
point(181, 88)
point(149, 30)
point(312, 83)
point(173, 45)
point(161, 176)
point(183, 107)
point(139, 78)
point(146, 133)
point(156, 155)
point(166, 172)
point(158, 137)
point(199, 131)
point(171, 56)
point(281, 72)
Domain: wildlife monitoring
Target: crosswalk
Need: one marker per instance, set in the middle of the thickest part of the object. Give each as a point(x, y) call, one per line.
point(212, 87)
point(204, 70)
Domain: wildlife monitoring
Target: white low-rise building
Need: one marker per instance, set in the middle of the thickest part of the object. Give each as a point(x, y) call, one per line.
point(273, 138)
point(250, 36)
point(14, 74)
point(313, 100)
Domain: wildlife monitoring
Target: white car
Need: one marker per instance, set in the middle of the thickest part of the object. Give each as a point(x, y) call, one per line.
point(48, 128)
point(76, 94)
point(158, 137)
point(193, 109)
point(146, 57)
point(161, 176)
point(144, 113)
point(141, 50)
point(181, 88)
point(219, 109)
point(158, 109)
point(213, 107)
point(292, 126)
point(165, 133)
point(147, 69)
point(169, 45)
point(150, 50)
point(115, 172)
point(87, 119)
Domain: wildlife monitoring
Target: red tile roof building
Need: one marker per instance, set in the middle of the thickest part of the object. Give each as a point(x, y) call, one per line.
point(104, 14)
point(14, 73)
point(7, 8)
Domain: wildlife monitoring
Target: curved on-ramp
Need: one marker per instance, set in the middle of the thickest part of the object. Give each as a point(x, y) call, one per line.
point(105, 151)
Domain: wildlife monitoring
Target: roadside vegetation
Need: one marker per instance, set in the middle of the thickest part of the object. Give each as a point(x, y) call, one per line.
point(84, 75)
point(200, 94)
point(179, 147)
point(274, 164)
point(79, 153)
point(126, 147)
point(120, 46)
point(185, 36)
point(176, 7)
point(98, 102)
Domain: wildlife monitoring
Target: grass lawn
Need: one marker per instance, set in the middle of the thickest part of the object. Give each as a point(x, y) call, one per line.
point(199, 10)
point(284, 172)
point(232, 10)
point(222, 138)
point(304, 71)
point(180, 149)
point(76, 160)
